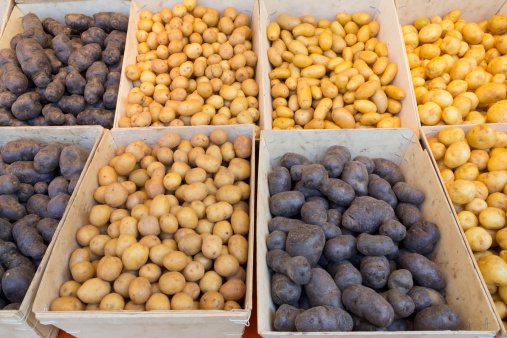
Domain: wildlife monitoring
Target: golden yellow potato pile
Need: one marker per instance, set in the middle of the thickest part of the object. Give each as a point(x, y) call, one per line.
point(474, 169)
point(331, 75)
point(169, 230)
point(458, 69)
point(194, 67)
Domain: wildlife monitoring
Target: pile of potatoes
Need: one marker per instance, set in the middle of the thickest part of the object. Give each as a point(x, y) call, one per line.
point(349, 249)
point(169, 230)
point(194, 68)
point(331, 75)
point(458, 68)
point(474, 169)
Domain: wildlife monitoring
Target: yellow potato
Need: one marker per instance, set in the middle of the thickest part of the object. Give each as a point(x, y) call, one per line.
point(67, 303)
point(461, 191)
point(457, 154)
point(493, 270)
point(467, 220)
point(478, 239)
point(492, 218)
point(93, 290)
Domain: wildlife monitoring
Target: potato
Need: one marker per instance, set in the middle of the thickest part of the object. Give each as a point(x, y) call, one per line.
point(139, 290)
point(226, 265)
point(135, 256)
point(320, 318)
point(93, 290)
point(109, 268)
point(211, 300)
point(122, 283)
point(171, 283)
point(439, 317)
point(478, 239)
point(69, 289)
point(112, 302)
point(66, 303)
point(158, 301)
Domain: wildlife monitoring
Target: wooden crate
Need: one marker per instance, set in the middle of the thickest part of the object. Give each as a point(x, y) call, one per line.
point(382, 11)
point(471, 11)
point(22, 322)
point(249, 7)
point(57, 10)
point(5, 12)
point(432, 132)
point(474, 11)
point(464, 292)
point(125, 324)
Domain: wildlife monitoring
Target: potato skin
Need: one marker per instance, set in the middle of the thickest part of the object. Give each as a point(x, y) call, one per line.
point(48, 158)
point(322, 290)
point(72, 161)
point(375, 271)
point(324, 319)
point(23, 149)
point(306, 240)
point(355, 174)
point(366, 214)
point(424, 271)
point(276, 240)
point(279, 180)
point(286, 203)
point(283, 224)
point(26, 173)
point(402, 304)
point(285, 318)
point(381, 189)
point(314, 176)
point(290, 159)
point(364, 302)
point(394, 229)
point(313, 213)
point(340, 248)
point(388, 170)
point(374, 245)
point(347, 275)
point(400, 279)
point(408, 214)
point(283, 290)
point(367, 162)
point(11, 210)
point(436, 318)
point(422, 237)
point(9, 184)
point(334, 160)
point(338, 192)
point(407, 193)
point(425, 297)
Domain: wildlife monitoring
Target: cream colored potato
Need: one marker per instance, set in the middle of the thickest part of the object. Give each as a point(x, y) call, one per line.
point(457, 154)
point(493, 270)
point(467, 220)
point(492, 218)
point(461, 191)
point(478, 239)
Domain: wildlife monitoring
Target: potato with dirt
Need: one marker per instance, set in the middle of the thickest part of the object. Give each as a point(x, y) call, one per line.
point(324, 319)
point(366, 214)
point(364, 302)
point(306, 240)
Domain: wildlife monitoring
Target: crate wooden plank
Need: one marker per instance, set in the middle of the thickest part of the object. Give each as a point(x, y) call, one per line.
point(22, 322)
point(249, 7)
point(5, 12)
point(432, 132)
point(464, 292)
point(382, 11)
point(135, 323)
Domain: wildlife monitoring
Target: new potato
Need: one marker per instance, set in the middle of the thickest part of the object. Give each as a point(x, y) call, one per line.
point(181, 232)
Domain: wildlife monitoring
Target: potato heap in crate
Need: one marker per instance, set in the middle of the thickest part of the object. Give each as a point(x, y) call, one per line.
point(195, 67)
point(57, 74)
point(169, 232)
point(349, 249)
point(474, 169)
point(36, 183)
point(331, 75)
point(458, 69)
